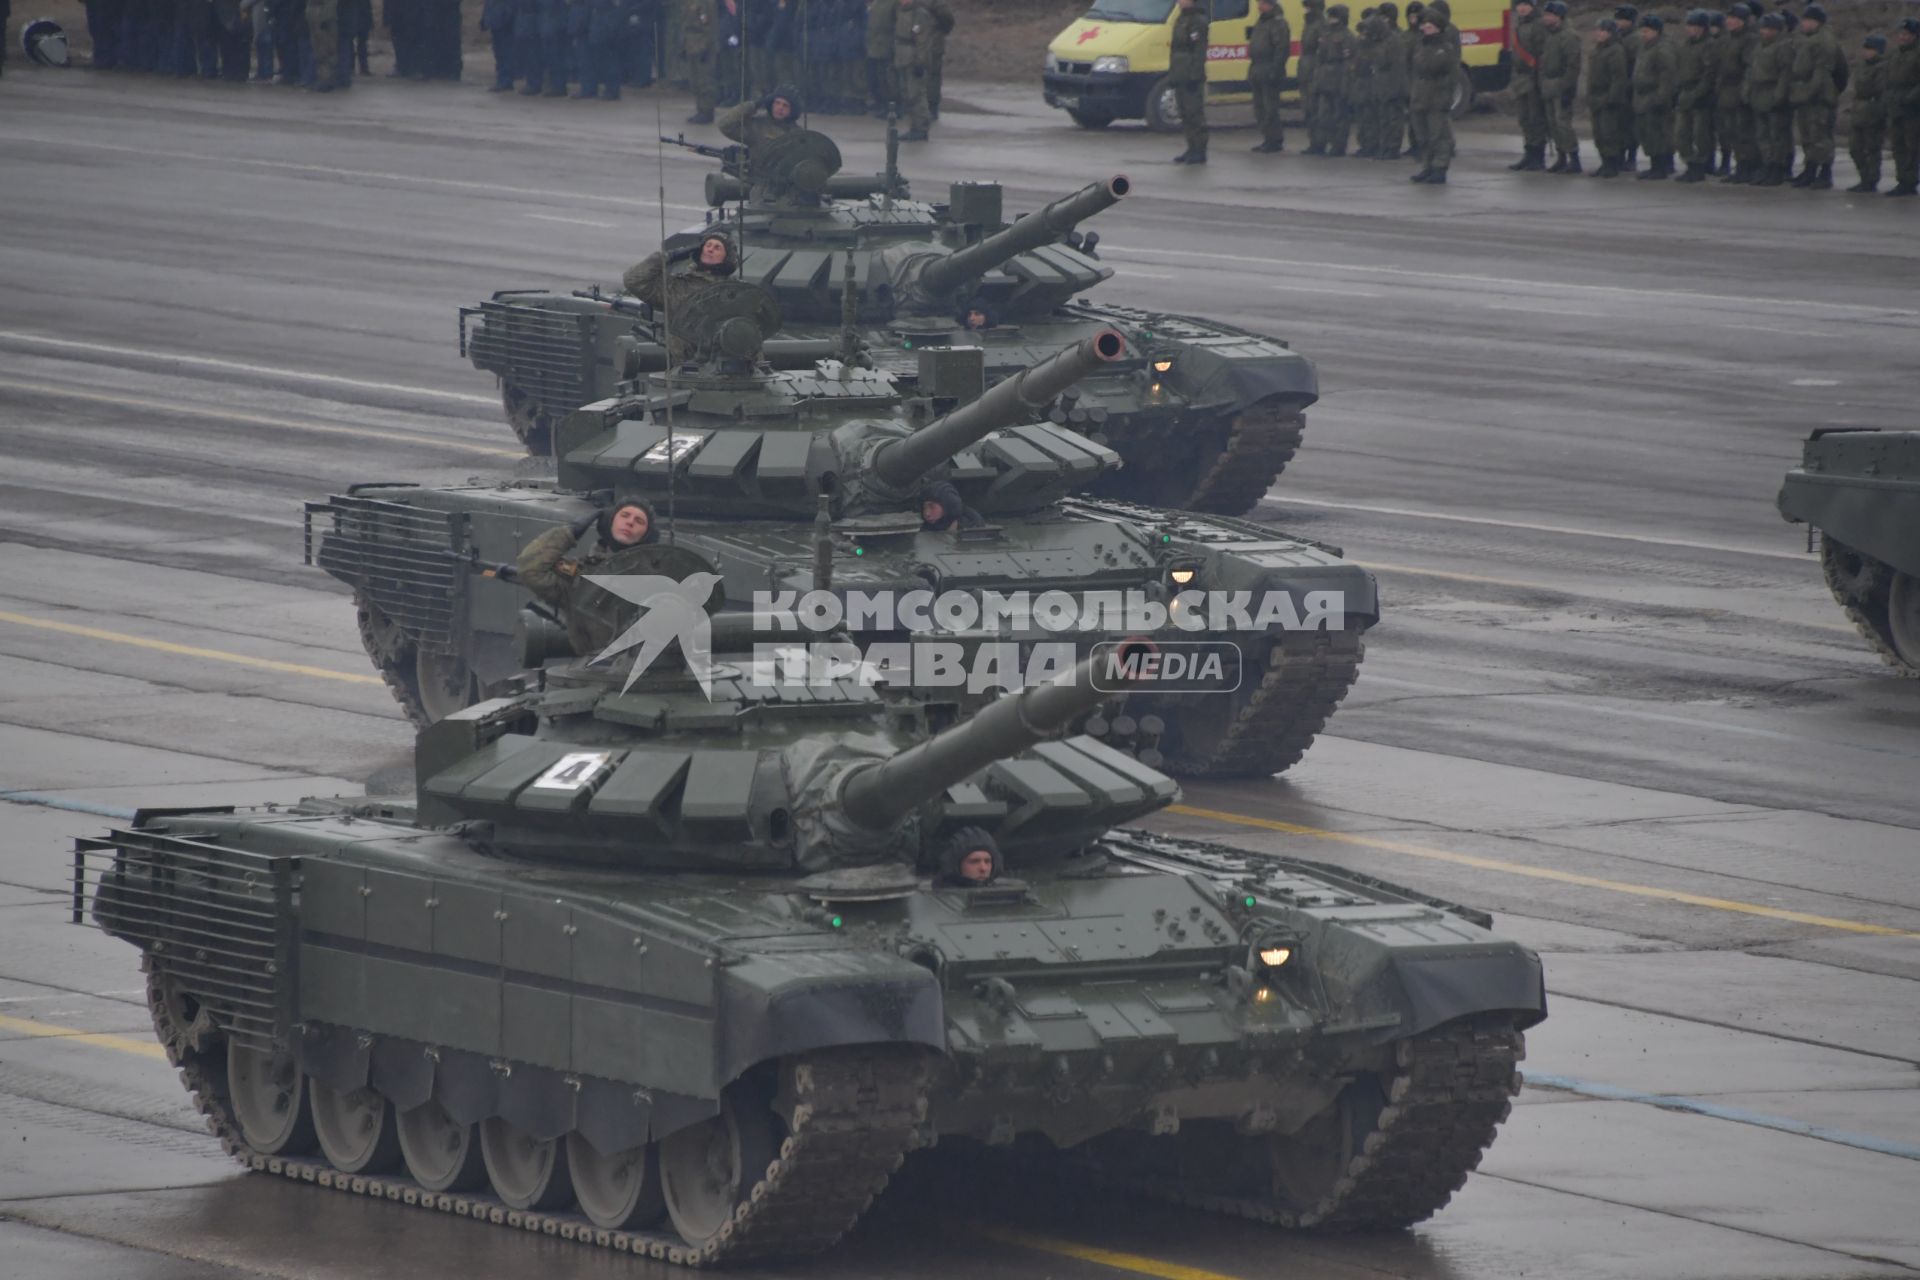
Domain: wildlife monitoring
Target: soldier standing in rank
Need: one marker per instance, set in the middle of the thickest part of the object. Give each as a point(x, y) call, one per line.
point(942, 12)
point(913, 33)
point(1766, 95)
point(497, 20)
point(1435, 64)
point(1187, 73)
point(1269, 45)
point(1695, 70)
point(1359, 95)
point(880, 54)
point(1627, 18)
point(1733, 118)
point(1332, 59)
point(696, 46)
point(1529, 42)
point(1609, 94)
point(1560, 85)
point(1819, 73)
point(1312, 16)
point(1389, 83)
point(1903, 107)
point(1867, 126)
point(1653, 93)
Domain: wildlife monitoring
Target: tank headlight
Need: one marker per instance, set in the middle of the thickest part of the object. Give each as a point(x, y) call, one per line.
point(1181, 577)
point(1161, 366)
point(1114, 64)
point(1262, 995)
point(1274, 957)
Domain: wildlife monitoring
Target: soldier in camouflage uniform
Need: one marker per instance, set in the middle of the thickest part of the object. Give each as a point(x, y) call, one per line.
point(879, 45)
point(1654, 86)
point(942, 12)
point(1332, 67)
point(1560, 85)
point(323, 30)
point(1733, 118)
point(1867, 125)
point(1390, 82)
point(1313, 13)
point(1609, 97)
point(546, 568)
point(1903, 107)
point(696, 47)
point(1435, 65)
point(1627, 18)
point(1187, 73)
point(1695, 72)
point(762, 121)
point(655, 282)
point(1818, 71)
point(1529, 42)
point(1766, 95)
point(1359, 100)
point(913, 34)
point(1269, 45)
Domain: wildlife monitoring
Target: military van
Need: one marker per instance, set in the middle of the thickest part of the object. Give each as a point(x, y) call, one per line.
point(1111, 63)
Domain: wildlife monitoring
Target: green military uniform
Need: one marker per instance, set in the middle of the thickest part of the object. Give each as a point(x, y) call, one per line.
point(1766, 95)
point(1269, 45)
point(1313, 13)
point(1867, 124)
point(1559, 87)
point(1529, 43)
point(913, 34)
point(1813, 93)
point(594, 617)
point(1187, 73)
point(880, 15)
point(1695, 71)
point(1430, 102)
point(746, 124)
point(1359, 101)
point(696, 46)
point(1389, 85)
point(1332, 68)
point(1630, 45)
point(942, 28)
point(1609, 101)
point(655, 283)
point(1733, 118)
point(1654, 85)
point(323, 26)
point(1903, 117)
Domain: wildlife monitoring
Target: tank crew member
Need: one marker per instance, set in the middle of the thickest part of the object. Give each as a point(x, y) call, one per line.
point(1867, 126)
point(1732, 117)
point(1389, 83)
point(1654, 86)
point(547, 568)
point(1529, 43)
point(1903, 107)
point(970, 859)
point(1608, 95)
point(1695, 72)
point(1766, 95)
point(1434, 68)
point(761, 121)
point(696, 45)
point(1627, 17)
point(1332, 61)
point(1560, 57)
point(977, 316)
point(656, 284)
point(942, 508)
point(1187, 73)
point(879, 60)
point(913, 33)
point(1269, 45)
point(1819, 73)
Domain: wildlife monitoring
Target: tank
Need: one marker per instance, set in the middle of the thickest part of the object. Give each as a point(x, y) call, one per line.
point(676, 973)
point(1859, 491)
point(1204, 415)
point(756, 450)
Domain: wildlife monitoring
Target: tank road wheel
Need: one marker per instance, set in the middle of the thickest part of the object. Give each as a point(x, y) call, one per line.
point(1883, 602)
point(1903, 620)
point(269, 1098)
point(616, 1191)
point(440, 1152)
point(532, 426)
point(445, 682)
point(393, 652)
point(526, 1172)
point(1305, 1167)
point(358, 1131)
point(709, 1169)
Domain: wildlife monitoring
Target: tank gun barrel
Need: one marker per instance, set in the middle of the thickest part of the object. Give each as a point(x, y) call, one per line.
point(884, 792)
point(900, 463)
point(946, 274)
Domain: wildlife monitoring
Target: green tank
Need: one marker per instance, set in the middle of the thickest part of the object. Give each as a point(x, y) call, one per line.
point(755, 451)
point(1204, 415)
point(1860, 491)
point(687, 974)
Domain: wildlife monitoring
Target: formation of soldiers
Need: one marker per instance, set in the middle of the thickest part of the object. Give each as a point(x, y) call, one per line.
point(1730, 96)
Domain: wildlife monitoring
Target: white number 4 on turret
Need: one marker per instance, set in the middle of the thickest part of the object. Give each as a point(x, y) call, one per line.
point(573, 771)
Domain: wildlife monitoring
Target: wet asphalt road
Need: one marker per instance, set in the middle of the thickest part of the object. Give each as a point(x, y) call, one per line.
point(1610, 699)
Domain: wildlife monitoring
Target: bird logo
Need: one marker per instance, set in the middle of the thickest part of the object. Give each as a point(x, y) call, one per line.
point(670, 609)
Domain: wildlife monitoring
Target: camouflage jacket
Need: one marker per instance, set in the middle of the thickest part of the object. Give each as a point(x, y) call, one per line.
point(1529, 43)
point(1269, 45)
point(1870, 93)
point(1766, 87)
point(1390, 66)
point(1736, 55)
point(1434, 69)
point(1608, 84)
point(1695, 70)
point(1187, 54)
point(743, 123)
point(880, 29)
point(1330, 59)
point(1903, 84)
point(1560, 64)
point(696, 29)
point(1655, 77)
point(655, 283)
point(1814, 60)
point(914, 29)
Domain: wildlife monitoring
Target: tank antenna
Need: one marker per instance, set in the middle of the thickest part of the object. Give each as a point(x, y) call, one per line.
point(666, 303)
point(893, 155)
point(823, 544)
point(849, 319)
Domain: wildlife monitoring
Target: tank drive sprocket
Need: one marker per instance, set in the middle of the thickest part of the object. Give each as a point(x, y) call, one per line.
point(1882, 603)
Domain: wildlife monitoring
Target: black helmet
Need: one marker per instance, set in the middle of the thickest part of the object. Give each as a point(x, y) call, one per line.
point(1697, 18)
point(1626, 13)
point(1876, 42)
point(728, 264)
point(44, 43)
point(1814, 13)
point(1909, 25)
point(1337, 14)
point(1607, 25)
point(1772, 22)
point(1716, 19)
point(1654, 22)
point(605, 523)
point(1738, 9)
point(963, 842)
point(791, 94)
point(1555, 7)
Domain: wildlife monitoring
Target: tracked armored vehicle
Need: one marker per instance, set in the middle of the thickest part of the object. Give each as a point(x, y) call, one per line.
point(673, 973)
point(743, 455)
point(1861, 491)
point(1204, 415)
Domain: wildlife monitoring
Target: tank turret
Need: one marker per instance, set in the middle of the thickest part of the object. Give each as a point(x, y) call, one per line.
point(935, 277)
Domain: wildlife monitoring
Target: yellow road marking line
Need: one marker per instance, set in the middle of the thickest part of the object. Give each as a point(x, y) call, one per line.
point(1541, 873)
point(97, 1039)
point(258, 420)
point(186, 650)
point(1133, 1262)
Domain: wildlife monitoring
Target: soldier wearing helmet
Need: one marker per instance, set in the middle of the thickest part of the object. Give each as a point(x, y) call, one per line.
point(656, 283)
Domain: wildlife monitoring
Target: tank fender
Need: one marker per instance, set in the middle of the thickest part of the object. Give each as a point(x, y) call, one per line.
point(1216, 376)
point(1860, 488)
point(1421, 966)
point(772, 1006)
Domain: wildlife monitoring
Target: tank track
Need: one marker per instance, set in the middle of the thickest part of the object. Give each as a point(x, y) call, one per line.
point(1452, 1087)
point(384, 643)
point(1307, 675)
point(1261, 441)
point(854, 1116)
point(1860, 593)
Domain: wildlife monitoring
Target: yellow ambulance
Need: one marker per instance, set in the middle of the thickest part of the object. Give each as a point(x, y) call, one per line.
point(1111, 63)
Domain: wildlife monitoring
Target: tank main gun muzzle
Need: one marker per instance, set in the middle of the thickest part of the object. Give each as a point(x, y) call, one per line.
point(943, 275)
point(882, 793)
point(901, 463)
